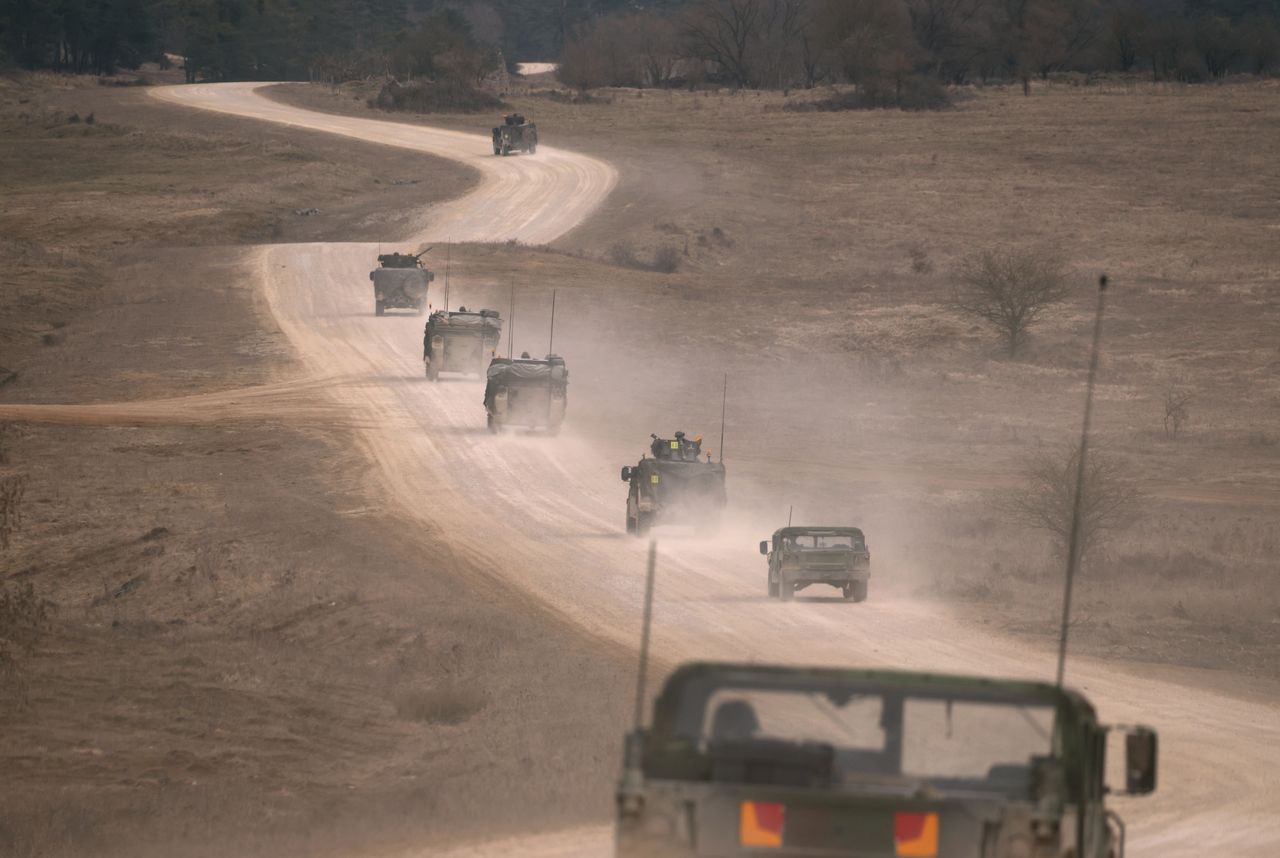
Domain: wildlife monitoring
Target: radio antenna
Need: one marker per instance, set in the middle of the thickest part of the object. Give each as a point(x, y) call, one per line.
point(647, 622)
point(511, 324)
point(1077, 504)
point(551, 340)
point(724, 398)
point(790, 510)
point(447, 254)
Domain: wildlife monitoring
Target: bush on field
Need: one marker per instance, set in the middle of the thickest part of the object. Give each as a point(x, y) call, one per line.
point(444, 96)
point(911, 93)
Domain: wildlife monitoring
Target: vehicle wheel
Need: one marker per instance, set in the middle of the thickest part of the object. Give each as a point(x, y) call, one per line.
point(631, 524)
point(786, 590)
point(505, 150)
point(433, 374)
point(494, 427)
point(497, 151)
point(773, 589)
point(642, 524)
point(533, 150)
point(379, 308)
point(859, 589)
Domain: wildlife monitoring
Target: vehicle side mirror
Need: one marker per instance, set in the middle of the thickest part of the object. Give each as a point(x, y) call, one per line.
point(1140, 752)
point(626, 475)
point(764, 547)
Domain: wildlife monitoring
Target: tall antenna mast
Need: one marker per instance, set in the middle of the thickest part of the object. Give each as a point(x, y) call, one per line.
point(447, 254)
point(724, 398)
point(551, 340)
point(511, 323)
point(644, 634)
point(790, 510)
point(1073, 543)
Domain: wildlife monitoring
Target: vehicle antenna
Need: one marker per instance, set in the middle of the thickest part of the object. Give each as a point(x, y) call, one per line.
point(724, 398)
point(551, 340)
point(1073, 542)
point(447, 254)
point(647, 622)
point(790, 510)
point(511, 323)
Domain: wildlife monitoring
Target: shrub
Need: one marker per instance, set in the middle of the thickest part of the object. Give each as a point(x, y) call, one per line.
point(446, 704)
point(445, 96)
point(666, 260)
point(916, 92)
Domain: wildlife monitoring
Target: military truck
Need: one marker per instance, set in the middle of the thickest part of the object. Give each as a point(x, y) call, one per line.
point(675, 487)
point(752, 759)
point(400, 282)
point(800, 556)
point(515, 133)
point(459, 341)
point(527, 393)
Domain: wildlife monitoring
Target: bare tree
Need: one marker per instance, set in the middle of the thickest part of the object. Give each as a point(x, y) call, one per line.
point(1047, 501)
point(723, 32)
point(1010, 290)
point(1177, 409)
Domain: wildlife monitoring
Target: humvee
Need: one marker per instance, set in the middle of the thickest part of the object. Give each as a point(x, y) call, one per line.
point(675, 487)
point(514, 133)
point(526, 392)
point(400, 282)
point(800, 556)
point(750, 759)
point(459, 341)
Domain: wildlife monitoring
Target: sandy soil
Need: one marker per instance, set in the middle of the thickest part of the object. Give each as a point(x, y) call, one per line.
point(532, 525)
point(252, 653)
point(540, 515)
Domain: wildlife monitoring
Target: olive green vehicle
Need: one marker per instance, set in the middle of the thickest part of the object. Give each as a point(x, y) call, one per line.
point(400, 283)
point(526, 393)
point(675, 487)
point(800, 556)
point(459, 341)
point(749, 759)
point(515, 134)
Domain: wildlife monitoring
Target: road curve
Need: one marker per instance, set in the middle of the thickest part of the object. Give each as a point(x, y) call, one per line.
point(544, 515)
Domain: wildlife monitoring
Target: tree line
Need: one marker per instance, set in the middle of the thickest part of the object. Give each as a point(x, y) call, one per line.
point(799, 43)
point(742, 43)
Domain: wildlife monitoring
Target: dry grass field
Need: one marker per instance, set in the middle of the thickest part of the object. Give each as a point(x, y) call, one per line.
point(815, 254)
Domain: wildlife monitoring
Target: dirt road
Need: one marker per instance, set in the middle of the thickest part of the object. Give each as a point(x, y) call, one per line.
point(545, 515)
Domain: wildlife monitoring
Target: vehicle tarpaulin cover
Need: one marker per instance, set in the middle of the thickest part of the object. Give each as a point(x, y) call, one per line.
point(464, 322)
point(506, 373)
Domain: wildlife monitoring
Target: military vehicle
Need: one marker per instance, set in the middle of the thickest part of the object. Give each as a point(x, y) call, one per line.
point(751, 759)
point(515, 133)
point(675, 487)
point(459, 341)
point(400, 282)
point(800, 556)
point(526, 392)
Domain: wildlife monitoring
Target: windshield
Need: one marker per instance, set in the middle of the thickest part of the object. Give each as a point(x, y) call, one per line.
point(949, 742)
point(822, 540)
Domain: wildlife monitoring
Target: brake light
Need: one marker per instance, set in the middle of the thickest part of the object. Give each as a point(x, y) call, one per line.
point(915, 835)
point(760, 823)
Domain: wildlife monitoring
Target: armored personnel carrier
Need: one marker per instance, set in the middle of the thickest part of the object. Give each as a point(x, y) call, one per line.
point(400, 282)
point(459, 341)
point(515, 134)
point(526, 393)
point(800, 556)
point(675, 486)
point(753, 759)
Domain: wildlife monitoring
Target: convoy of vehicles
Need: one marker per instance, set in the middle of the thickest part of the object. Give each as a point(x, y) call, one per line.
point(460, 341)
point(751, 759)
point(800, 556)
point(675, 486)
point(526, 393)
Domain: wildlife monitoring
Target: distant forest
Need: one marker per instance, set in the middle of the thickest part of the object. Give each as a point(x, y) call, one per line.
point(741, 43)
